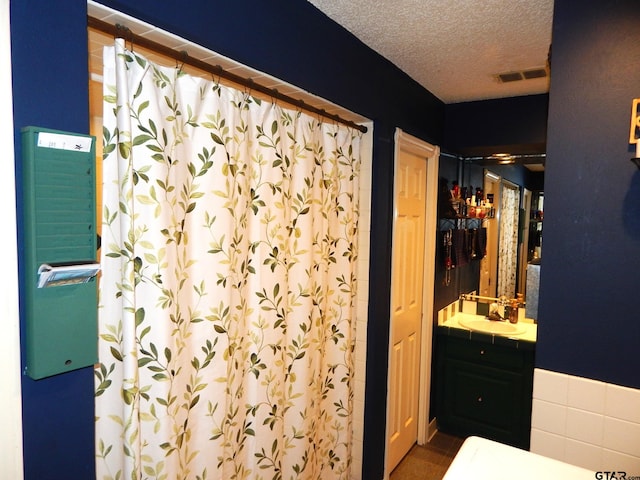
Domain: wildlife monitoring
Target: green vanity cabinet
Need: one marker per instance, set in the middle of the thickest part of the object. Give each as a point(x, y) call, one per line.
point(484, 388)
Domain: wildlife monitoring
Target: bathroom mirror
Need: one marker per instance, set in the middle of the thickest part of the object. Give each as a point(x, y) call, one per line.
point(514, 242)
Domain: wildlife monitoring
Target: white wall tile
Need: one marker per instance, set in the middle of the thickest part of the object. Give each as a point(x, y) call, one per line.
point(584, 455)
point(550, 386)
point(548, 444)
point(585, 426)
point(622, 436)
point(616, 461)
point(360, 371)
point(549, 417)
point(586, 422)
point(623, 403)
point(364, 246)
point(469, 306)
point(586, 394)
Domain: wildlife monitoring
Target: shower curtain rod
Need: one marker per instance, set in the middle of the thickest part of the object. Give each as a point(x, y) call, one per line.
point(121, 31)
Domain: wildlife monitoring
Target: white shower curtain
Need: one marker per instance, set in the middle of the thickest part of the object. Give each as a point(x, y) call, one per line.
point(227, 311)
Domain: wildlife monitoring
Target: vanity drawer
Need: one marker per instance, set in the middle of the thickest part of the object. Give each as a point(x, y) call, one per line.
point(485, 353)
point(484, 398)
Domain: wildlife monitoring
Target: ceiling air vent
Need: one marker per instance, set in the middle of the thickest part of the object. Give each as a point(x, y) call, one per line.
point(509, 77)
point(521, 75)
point(535, 73)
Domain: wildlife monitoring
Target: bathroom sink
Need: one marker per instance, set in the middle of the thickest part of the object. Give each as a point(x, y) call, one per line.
point(489, 326)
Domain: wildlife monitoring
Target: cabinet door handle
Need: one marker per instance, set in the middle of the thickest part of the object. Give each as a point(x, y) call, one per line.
point(481, 352)
point(479, 399)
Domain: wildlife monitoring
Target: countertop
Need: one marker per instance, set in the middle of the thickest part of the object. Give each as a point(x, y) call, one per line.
point(482, 459)
point(458, 325)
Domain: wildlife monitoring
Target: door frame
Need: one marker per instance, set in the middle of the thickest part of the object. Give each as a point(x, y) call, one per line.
point(525, 202)
point(404, 141)
point(488, 281)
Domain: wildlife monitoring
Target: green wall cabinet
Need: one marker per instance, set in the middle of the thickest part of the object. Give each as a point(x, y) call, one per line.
point(484, 389)
point(59, 229)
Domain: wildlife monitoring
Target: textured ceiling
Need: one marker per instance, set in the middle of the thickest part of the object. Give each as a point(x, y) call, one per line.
point(454, 48)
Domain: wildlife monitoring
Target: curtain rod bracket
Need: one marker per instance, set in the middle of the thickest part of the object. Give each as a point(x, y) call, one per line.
point(126, 30)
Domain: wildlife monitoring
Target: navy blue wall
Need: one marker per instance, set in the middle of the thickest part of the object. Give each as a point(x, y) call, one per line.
point(49, 63)
point(516, 125)
point(588, 310)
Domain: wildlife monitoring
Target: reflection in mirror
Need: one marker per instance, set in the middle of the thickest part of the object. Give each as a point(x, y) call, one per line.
point(489, 264)
point(534, 252)
point(508, 239)
point(536, 216)
point(501, 309)
point(514, 240)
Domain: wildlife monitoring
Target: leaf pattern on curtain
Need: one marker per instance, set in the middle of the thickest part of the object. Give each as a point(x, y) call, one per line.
point(227, 311)
point(508, 241)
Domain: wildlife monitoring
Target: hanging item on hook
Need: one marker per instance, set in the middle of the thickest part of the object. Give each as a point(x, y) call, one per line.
point(448, 263)
point(634, 130)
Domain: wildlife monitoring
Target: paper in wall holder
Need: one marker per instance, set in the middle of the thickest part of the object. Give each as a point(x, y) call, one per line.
point(66, 274)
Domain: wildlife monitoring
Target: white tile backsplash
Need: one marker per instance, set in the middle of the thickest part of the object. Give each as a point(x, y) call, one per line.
point(586, 394)
point(623, 403)
point(622, 462)
point(585, 422)
point(583, 454)
point(447, 312)
point(548, 416)
point(548, 444)
point(550, 386)
point(469, 306)
point(585, 426)
point(622, 436)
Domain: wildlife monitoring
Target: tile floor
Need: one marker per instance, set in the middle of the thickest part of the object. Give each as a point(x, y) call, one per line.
point(430, 461)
